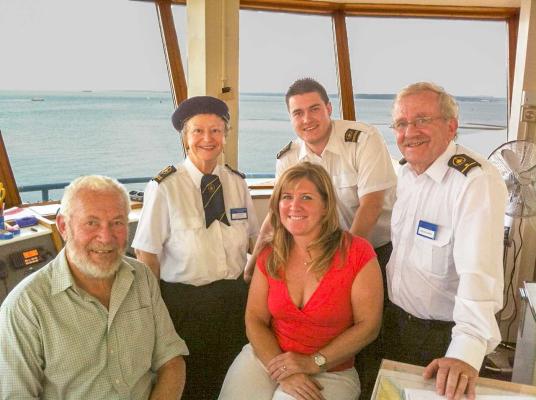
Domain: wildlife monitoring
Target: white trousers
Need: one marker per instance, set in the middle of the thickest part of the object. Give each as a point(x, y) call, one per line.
point(248, 379)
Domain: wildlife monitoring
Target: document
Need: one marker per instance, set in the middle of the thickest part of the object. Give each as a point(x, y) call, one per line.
point(420, 394)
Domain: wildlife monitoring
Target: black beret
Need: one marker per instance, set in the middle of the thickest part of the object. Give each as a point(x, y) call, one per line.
point(199, 105)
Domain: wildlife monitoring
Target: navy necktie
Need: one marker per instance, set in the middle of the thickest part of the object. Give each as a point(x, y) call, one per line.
point(212, 194)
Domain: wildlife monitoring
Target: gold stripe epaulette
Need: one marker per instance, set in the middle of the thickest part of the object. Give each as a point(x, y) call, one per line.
point(240, 174)
point(283, 150)
point(163, 174)
point(463, 163)
point(352, 135)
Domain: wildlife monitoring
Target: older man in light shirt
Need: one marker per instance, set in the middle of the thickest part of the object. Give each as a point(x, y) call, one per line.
point(445, 278)
point(91, 324)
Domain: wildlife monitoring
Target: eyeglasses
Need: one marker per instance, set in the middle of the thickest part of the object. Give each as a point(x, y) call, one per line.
point(418, 123)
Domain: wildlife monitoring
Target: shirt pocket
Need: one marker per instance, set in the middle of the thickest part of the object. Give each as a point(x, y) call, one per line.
point(434, 255)
point(135, 334)
point(180, 223)
point(187, 240)
point(346, 187)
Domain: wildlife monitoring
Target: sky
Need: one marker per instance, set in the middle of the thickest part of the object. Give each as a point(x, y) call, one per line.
point(80, 45)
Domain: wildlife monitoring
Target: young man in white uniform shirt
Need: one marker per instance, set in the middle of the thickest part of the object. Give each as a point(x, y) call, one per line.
point(359, 164)
point(445, 277)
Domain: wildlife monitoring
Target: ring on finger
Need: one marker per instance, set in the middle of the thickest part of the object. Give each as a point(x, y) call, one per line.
point(284, 368)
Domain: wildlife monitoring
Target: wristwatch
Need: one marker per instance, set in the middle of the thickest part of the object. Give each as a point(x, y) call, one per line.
point(320, 361)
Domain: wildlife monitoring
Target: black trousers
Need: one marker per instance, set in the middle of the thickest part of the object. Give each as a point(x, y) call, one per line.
point(210, 319)
point(368, 360)
point(412, 340)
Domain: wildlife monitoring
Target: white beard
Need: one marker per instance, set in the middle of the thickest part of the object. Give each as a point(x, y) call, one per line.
point(90, 269)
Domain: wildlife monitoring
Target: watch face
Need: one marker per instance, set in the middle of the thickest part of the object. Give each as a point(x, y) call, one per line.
point(320, 360)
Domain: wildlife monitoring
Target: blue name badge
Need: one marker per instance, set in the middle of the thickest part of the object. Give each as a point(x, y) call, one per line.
point(427, 230)
point(239, 213)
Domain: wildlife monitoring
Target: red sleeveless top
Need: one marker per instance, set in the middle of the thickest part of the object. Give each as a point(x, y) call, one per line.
point(328, 312)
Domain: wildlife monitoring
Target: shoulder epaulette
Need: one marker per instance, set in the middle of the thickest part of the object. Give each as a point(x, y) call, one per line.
point(240, 174)
point(402, 161)
point(352, 135)
point(163, 174)
point(463, 163)
point(283, 150)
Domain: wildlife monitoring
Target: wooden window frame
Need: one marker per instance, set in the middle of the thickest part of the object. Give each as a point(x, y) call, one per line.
point(338, 12)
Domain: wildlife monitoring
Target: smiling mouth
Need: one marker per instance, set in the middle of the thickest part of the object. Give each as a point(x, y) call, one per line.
point(296, 217)
point(103, 251)
point(415, 144)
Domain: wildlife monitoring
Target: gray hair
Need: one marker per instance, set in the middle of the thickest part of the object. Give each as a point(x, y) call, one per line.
point(96, 183)
point(226, 128)
point(447, 105)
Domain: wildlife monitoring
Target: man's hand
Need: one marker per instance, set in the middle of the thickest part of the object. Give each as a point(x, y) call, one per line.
point(302, 387)
point(453, 378)
point(289, 363)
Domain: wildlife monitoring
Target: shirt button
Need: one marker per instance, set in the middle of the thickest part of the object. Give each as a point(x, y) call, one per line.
point(111, 351)
point(117, 381)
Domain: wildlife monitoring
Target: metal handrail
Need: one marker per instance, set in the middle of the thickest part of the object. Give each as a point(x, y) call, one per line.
point(44, 188)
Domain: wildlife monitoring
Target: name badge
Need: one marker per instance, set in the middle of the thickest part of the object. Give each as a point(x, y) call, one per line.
point(239, 213)
point(427, 230)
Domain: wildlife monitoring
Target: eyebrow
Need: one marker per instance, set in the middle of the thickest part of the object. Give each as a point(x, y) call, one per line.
point(294, 110)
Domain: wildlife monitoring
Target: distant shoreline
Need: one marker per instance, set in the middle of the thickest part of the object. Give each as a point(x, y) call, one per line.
point(365, 96)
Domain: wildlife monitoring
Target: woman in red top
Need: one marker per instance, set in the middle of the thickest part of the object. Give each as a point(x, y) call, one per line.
point(315, 300)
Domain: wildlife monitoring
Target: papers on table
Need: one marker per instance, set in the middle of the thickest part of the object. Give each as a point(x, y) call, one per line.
point(422, 394)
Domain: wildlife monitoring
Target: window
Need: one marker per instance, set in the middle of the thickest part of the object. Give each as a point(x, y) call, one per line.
point(275, 50)
point(85, 91)
point(466, 57)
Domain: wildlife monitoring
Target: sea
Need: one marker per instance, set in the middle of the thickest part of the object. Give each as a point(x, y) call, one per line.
point(54, 137)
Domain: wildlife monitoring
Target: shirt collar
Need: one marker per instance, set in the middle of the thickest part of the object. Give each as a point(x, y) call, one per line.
point(61, 274)
point(195, 174)
point(332, 145)
point(439, 167)
point(62, 279)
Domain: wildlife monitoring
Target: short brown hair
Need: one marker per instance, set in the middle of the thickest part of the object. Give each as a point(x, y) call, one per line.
point(306, 85)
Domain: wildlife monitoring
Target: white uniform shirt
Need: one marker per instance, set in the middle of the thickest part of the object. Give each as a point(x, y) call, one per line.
point(458, 276)
point(356, 169)
point(172, 225)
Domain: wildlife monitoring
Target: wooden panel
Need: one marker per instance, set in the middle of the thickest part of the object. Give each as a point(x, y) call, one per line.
point(344, 71)
point(7, 178)
point(172, 52)
point(513, 26)
point(177, 80)
point(391, 10)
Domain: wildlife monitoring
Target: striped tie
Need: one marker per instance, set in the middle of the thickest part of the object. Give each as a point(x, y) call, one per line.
point(212, 195)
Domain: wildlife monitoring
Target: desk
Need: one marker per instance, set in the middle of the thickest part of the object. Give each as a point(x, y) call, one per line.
point(394, 377)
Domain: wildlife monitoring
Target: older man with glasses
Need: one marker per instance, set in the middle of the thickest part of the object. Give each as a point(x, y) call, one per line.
point(444, 276)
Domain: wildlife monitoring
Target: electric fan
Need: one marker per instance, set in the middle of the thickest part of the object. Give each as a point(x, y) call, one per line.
point(516, 162)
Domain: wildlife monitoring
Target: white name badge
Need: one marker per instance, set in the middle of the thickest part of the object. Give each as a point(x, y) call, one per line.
point(239, 213)
point(427, 230)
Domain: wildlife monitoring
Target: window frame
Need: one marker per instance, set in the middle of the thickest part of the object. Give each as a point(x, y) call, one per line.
point(338, 12)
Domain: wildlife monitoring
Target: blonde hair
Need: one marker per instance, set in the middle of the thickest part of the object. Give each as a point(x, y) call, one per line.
point(447, 104)
point(332, 237)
